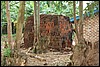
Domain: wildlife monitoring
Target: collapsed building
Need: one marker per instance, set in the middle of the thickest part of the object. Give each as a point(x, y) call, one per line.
point(56, 28)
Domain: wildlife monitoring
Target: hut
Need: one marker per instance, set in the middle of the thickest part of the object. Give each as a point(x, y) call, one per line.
point(90, 27)
point(91, 36)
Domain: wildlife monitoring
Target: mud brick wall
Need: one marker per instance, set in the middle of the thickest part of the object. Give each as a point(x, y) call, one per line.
point(56, 27)
point(29, 32)
point(91, 29)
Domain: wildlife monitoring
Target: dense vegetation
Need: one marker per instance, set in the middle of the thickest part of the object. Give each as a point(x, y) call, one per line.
point(46, 7)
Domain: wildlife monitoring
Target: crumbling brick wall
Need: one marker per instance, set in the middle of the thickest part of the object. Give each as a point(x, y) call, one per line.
point(57, 27)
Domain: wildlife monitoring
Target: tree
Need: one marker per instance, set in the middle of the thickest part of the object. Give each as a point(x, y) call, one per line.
point(82, 54)
point(36, 23)
point(38, 19)
point(20, 22)
point(81, 39)
point(76, 24)
point(79, 50)
point(9, 28)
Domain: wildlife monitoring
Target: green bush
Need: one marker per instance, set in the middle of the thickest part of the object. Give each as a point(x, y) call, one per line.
point(7, 52)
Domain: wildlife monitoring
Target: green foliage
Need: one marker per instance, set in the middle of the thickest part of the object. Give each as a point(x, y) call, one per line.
point(29, 7)
point(7, 52)
point(46, 7)
point(94, 5)
point(3, 11)
point(14, 9)
point(58, 7)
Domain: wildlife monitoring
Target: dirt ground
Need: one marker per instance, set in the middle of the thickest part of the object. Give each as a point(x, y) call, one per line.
point(45, 59)
point(48, 59)
point(53, 58)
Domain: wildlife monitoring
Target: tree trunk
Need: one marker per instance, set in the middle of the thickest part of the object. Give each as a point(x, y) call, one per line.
point(20, 22)
point(81, 39)
point(1, 20)
point(79, 50)
point(19, 28)
point(38, 19)
point(83, 53)
point(76, 24)
point(36, 24)
point(9, 26)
